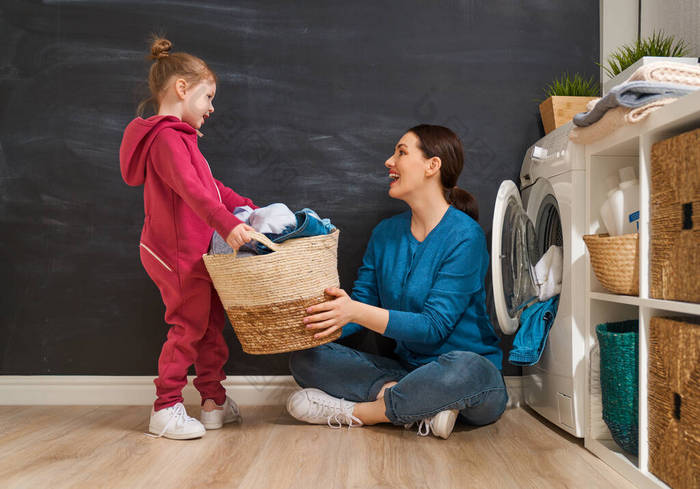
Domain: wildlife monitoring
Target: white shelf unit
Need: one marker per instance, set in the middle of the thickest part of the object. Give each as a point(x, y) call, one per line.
point(628, 146)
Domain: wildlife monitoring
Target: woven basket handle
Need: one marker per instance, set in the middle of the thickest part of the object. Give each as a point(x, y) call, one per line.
point(261, 238)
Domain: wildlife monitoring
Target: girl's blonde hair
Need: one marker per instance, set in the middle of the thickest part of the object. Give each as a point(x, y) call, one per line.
point(166, 65)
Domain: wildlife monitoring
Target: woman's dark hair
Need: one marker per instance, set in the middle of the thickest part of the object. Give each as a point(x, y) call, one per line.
point(441, 142)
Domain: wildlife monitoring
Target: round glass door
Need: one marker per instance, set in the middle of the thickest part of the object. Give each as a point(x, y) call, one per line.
point(513, 256)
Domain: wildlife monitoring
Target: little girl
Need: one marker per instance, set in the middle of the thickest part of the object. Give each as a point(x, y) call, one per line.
point(184, 204)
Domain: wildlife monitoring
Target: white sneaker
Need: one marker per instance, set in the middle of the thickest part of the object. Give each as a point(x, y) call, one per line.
point(316, 407)
point(174, 423)
point(441, 424)
point(228, 413)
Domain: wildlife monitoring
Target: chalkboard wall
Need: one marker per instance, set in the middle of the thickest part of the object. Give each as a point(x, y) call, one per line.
point(311, 98)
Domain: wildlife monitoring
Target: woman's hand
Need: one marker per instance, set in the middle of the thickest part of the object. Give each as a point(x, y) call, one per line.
point(239, 236)
point(332, 314)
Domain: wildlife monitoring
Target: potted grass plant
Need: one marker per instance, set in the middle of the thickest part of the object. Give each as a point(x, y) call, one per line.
point(626, 59)
point(566, 97)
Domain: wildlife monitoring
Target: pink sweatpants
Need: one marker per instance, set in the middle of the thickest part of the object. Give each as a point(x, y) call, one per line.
point(196, 318)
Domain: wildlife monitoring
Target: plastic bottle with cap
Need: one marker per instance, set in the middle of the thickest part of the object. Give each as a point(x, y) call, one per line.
point(606, 213)
point(624, 202)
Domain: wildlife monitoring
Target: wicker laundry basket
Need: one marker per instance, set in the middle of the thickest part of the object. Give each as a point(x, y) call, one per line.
point(619, 347)
point(266, 296)
point(674, 401)
point(615, 261)
point(675, 218)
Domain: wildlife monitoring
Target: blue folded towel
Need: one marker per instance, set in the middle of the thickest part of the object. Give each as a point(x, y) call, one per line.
point(535, 322)
point(632, 95)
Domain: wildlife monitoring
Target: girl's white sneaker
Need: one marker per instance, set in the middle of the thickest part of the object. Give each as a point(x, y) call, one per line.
point(316, 407)
point(174, 423)
point(228, 413)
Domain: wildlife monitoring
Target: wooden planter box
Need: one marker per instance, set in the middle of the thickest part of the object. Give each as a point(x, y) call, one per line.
point(557, 111)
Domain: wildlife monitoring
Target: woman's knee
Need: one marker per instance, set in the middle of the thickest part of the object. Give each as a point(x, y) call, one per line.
point(471, 368)
point(485, 408)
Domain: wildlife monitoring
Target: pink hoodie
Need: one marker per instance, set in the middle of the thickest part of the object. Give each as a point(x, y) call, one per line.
point(183, 202)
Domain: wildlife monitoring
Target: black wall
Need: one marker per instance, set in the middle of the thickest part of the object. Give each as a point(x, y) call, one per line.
point(311, 98)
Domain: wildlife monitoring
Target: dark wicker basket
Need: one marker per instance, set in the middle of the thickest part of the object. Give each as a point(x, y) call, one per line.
point(674, 401)
point(619, 381)
point(675, 218)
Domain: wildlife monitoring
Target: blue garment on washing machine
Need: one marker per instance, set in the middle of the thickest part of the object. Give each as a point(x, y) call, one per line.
point(308, 224)
point(535, 323)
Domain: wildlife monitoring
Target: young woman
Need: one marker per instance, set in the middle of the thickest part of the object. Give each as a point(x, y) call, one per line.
point(421, 283)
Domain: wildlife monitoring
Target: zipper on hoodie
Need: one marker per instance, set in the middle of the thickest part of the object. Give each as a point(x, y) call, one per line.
point(156, 257)
point(213, 180)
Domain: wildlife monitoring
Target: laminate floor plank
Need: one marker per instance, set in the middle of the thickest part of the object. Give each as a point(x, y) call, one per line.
point(76, 447)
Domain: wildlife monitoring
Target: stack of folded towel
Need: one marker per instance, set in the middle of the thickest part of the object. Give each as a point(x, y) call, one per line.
point(649, 88)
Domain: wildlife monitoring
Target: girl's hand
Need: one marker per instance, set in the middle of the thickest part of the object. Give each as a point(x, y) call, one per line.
point(239, 236)
point(330, 315)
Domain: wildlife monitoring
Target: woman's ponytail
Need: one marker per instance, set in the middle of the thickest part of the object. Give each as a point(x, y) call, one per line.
point(464, 201)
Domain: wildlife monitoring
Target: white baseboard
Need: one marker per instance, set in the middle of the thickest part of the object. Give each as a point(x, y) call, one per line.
point(254, 390)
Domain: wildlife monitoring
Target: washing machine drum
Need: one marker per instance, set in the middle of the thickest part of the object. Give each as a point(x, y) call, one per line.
point(516, 247)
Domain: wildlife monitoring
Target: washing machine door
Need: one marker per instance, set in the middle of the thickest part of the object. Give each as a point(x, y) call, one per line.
point(513, 257)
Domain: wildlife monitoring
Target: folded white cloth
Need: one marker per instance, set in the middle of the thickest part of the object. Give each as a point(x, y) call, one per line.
point(640, 113)
point(243, 212)
point(668, 72)
point(272, 219)
point(548, 272)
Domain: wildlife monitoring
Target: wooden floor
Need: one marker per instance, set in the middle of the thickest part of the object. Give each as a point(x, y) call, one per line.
point(104, 447)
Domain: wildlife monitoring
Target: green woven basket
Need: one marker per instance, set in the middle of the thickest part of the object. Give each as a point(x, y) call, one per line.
point(619, 380)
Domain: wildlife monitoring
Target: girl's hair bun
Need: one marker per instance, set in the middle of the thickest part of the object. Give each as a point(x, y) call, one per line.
point(160, 48)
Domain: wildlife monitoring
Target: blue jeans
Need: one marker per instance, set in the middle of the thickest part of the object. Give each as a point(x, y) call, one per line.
point(456, 380)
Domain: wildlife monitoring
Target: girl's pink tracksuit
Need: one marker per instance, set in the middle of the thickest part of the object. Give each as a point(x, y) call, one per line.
point(184, 204)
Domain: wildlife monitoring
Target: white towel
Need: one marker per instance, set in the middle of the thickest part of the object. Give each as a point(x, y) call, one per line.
point(273, 218)
point(668, 72)
point(243, 212)
point(548, 272)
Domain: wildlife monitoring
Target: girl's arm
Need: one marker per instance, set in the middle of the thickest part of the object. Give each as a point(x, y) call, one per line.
point(172, 162)
point(231, 199)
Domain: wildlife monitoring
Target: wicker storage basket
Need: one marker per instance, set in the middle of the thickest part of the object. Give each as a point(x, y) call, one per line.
point(674, 402)
point(265, 296)
point(619, 380)
point(615, 261)
point(675, 218)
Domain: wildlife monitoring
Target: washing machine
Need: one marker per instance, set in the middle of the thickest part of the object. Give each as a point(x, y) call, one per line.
point(546, 208)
